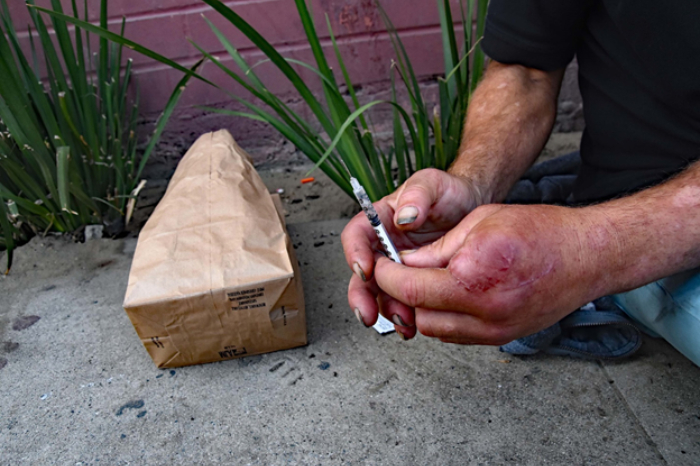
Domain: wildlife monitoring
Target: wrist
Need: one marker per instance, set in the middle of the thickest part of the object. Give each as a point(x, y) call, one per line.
point(622, 251)
point(480, 193)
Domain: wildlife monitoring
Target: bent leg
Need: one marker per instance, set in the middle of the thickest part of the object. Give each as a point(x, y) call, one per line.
point(669, 308)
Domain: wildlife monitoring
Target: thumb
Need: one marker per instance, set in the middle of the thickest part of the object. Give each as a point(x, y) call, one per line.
point(437, 254)
point(416, 197)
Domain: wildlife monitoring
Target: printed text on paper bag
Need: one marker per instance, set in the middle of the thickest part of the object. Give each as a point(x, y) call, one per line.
point(246, 299)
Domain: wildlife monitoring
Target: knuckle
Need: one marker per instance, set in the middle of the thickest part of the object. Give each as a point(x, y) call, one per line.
point(497, 246)
point(412, 292)
point(423, 182)
point(426, 328)
point(433, 327)
point(436, 246)
point(498, 335)
point(431, 173)
point(344, 235)
point(415, 192)
point(448, 329)
point(350, 231)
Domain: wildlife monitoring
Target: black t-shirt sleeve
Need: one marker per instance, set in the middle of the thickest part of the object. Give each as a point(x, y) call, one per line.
point(541, 34)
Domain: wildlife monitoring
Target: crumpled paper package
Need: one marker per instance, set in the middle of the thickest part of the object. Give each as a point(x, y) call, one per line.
point(214, 276)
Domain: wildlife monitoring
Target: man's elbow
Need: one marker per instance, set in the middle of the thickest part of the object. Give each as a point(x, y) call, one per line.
point(532, 79)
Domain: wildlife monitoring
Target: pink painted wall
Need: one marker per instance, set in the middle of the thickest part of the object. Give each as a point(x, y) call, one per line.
point(166, 25)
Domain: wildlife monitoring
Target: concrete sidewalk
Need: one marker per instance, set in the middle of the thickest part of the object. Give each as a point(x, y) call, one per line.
point(77, 387)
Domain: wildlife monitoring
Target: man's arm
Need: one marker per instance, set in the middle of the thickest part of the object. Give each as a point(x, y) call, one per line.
point(508, 123)
point(508, 271)
point(652, 234)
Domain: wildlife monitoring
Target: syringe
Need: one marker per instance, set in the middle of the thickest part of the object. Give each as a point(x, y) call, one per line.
point(374, 220)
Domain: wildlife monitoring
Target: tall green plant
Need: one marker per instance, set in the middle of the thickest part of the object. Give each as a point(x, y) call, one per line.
point(68, 148)
point(345, 145)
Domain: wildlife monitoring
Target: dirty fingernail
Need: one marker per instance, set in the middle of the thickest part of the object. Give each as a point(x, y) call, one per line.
point(407, 215)
point(407, 252)
point(358, 314)
point(358, 270)
point(399, 321)
point(402, 336)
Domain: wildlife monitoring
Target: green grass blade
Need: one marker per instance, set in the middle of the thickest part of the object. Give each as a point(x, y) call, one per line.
point(7, 230)
point(57, 79)
point(312, 37)
point(449, 46)
point(264, 46)
point(119, 50)
point(346, 76)
point(326, 81)
point(439, 147)
point(345, 126)
point(25, 204)
point(337, 105)
point(337, 175)
point(453, 137)
point(86, 18)
point(466, 44)
point(22, 123)
point(380, 166)
point(122, 99)
point(291, 118)
point(109, 205)
point(72, 142)
point(400, 148)
point(462, 61)
point(27, 183)
point(255, 87)
point(479, 57)
point(65, 45)
point(103, 70)
point(445, 102)
point(116, 38)
point(405, 67)
point(349, 145)
point(234, 54)
point(35, 89)
point(32, 46)
point(30, 144)
point(62, 167)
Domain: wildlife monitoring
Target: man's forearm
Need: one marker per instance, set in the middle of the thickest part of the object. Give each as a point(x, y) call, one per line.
point(508, 122)
point(649, 235)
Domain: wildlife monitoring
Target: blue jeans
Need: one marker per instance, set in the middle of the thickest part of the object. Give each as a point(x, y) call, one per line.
point(669, 308)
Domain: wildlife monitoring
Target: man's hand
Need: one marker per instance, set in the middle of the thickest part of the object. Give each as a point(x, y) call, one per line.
point(422, 210)
point(509, 119)
point(503, 273)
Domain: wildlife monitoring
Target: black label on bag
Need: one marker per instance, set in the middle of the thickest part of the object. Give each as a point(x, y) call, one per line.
point(232, 352)
point(246, 299)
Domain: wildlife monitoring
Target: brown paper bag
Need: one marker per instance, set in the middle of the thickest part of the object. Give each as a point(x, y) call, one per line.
point(214, 275)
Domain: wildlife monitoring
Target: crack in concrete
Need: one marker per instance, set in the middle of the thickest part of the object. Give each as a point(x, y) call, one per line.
point(649, 440)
